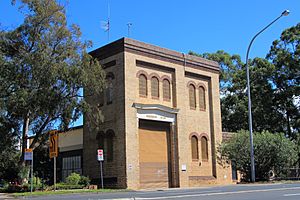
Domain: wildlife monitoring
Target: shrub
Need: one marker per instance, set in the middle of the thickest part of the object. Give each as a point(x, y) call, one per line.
point(73, 179)
point(24, 173)
point(271, 152)
point(84, 181)
point(64, 186)
point(36, 181)
point(3, 184)
point(14, 188)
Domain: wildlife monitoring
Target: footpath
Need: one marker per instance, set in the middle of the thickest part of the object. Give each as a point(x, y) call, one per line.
point(6, 196)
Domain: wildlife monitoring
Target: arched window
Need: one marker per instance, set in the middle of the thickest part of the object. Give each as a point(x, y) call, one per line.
point(195, 152)
point(202, 104)
point(166, 90)
point(192, 96)
point(143, 85)
point(109, 88)
point(204, 148)
point(154, 87)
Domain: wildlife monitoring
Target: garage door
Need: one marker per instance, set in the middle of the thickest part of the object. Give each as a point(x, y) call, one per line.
point(153, 147)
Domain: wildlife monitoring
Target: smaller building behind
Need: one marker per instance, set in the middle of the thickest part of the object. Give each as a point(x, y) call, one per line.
point(70, 145)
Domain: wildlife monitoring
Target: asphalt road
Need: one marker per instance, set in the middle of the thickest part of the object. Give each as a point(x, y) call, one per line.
point(233, 192)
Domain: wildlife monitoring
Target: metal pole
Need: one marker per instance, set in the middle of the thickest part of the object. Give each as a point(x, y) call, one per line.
point(43, 180)
point(101, 175)
point(31, 176)
point(285, 13)
point(54, 173)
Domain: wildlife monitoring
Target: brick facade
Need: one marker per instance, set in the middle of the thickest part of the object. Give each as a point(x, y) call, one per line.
point(127, 59)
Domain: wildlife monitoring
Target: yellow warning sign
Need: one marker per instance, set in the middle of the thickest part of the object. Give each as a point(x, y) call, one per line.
point(53, 144)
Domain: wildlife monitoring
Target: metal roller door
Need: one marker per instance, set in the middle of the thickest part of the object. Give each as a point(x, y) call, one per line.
point(153, 152)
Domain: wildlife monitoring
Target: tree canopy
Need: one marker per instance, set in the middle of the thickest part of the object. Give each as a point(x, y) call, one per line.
point(285, 56)
point(275, 90)
point(275, 96)
point(44, 67)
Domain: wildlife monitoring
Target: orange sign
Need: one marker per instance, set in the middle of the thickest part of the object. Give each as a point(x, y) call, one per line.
point(53, 144)
point(28, 150)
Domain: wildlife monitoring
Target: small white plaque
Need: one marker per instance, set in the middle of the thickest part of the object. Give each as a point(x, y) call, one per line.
point(183, 167)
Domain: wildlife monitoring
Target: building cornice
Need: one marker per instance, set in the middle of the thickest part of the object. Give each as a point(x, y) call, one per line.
point(152, 51)
point(155, 107)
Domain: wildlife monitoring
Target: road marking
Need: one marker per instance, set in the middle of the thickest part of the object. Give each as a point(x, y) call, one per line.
point(215, 193)
point(122, 199)
point(288, 195)
point(178, 192)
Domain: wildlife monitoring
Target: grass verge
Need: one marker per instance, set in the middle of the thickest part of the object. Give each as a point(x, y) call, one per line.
point(58, 192)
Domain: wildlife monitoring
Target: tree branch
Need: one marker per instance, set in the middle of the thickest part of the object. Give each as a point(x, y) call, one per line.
point(41, 129)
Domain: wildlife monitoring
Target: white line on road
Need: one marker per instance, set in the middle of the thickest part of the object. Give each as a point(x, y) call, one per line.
point(215, 193)
point(113, 199)
point(288, 195)
point(178, 192)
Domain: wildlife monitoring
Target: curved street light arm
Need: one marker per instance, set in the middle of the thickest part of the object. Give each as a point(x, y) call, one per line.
point(248, 50)
point(284, 13)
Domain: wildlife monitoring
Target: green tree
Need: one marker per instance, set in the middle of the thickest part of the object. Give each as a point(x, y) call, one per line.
point(272, 152)
point(234, 103)
point(275, 90)
point(229, 65)
point(43, 165)
point(265, 114)
point(285, 55)
point(9, 155)
point(44, 68)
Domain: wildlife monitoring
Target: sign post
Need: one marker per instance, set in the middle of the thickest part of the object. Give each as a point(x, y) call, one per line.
point(29, 156)
point(53, 151)
point(54, 173)
point(100, 158)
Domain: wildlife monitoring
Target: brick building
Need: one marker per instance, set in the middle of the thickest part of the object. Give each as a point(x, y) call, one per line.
point(162, 119)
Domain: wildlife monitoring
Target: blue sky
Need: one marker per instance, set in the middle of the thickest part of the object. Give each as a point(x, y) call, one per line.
point(200, 26)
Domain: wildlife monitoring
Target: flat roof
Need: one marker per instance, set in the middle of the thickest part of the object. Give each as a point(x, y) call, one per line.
point(149, 50)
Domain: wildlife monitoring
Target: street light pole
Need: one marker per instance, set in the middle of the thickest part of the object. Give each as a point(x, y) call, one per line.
point(284, 13)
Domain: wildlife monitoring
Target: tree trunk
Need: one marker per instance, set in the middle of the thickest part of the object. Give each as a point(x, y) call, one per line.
point(24, 138)
point(288, 124)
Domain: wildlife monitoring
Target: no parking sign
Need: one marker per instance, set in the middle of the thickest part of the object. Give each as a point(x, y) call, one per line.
point(100, 156)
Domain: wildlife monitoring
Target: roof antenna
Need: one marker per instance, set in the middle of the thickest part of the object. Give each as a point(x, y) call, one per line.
point(129, 24)
point(105, 25)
